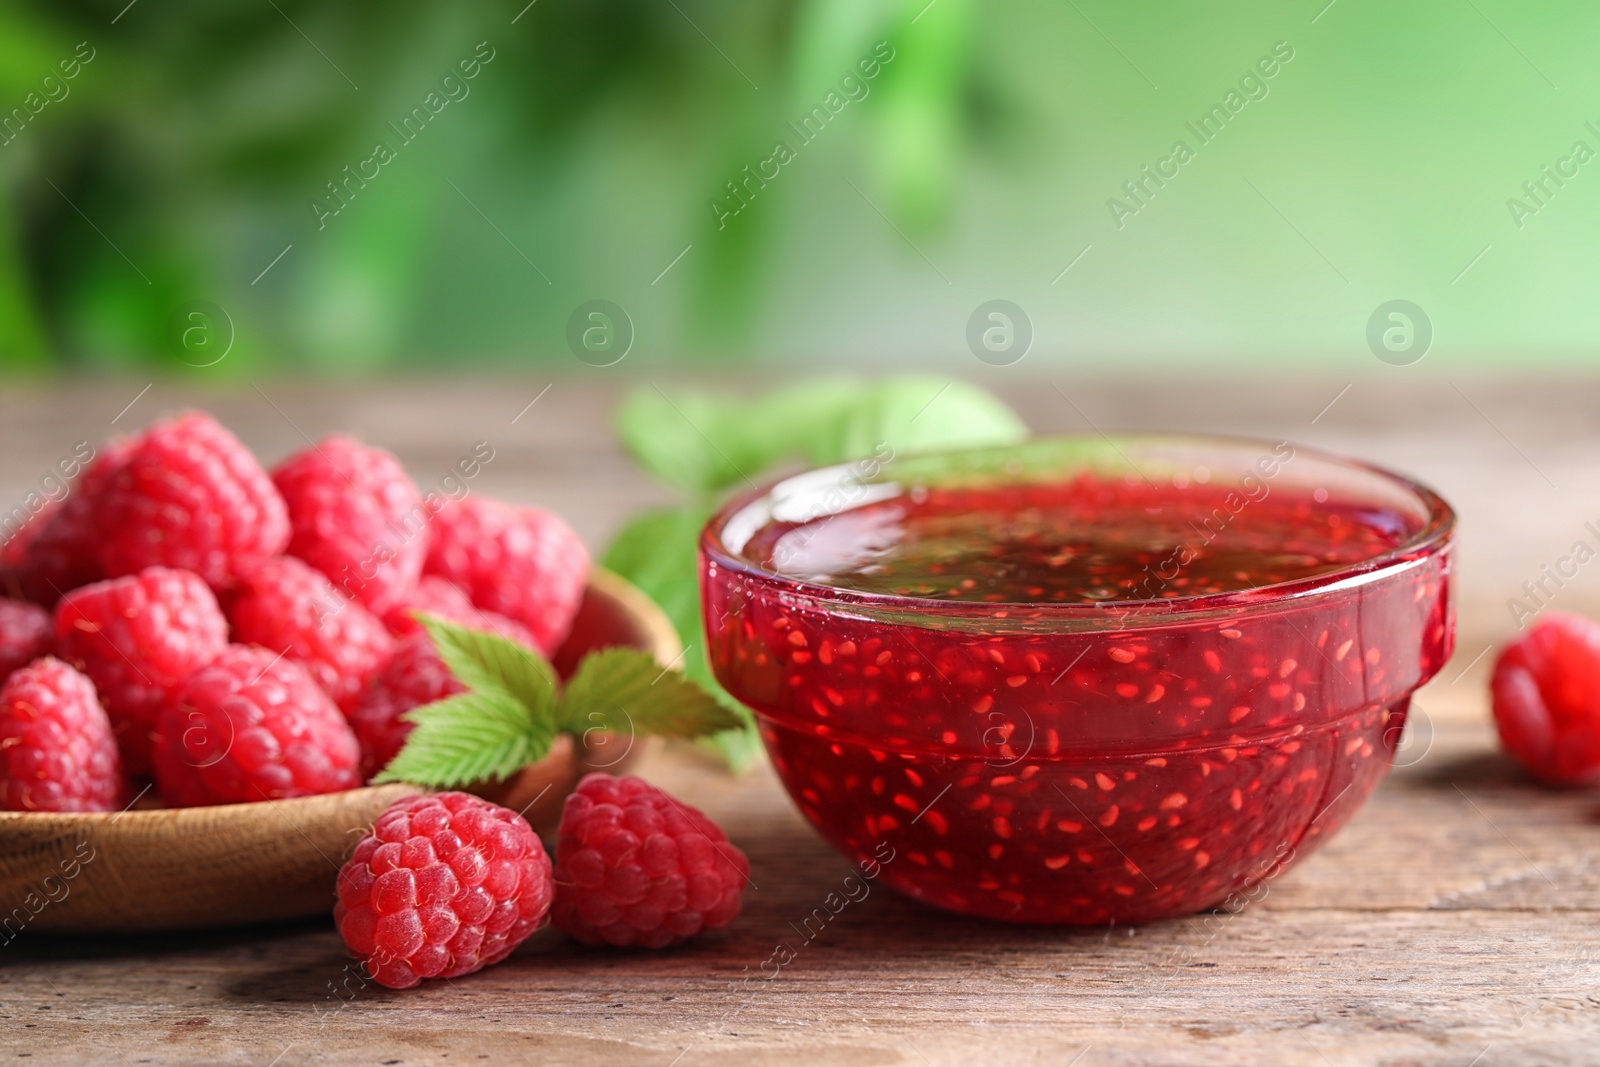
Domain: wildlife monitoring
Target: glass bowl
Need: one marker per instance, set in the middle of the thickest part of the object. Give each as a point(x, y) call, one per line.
point(1146, 754)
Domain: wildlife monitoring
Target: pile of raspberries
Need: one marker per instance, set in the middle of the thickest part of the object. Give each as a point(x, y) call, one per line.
point(236, 635)
point(233, 634)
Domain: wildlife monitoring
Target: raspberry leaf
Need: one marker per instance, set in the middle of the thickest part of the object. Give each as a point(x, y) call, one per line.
point(657, 552)
point(470, 737)
point(705, 443)
point(485, 662)
point(511, 713)
point(625, 691)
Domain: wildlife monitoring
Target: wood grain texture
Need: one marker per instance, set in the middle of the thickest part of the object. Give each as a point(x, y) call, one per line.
point(1455, 921)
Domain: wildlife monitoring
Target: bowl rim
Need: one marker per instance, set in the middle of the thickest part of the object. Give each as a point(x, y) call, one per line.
point(1433, 539)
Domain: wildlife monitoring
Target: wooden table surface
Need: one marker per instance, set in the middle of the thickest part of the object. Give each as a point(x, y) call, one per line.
point(1455, 921)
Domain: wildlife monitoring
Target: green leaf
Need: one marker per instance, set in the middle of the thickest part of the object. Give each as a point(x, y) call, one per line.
point(688, 439)
point(920, 414)
point(626, 691)
point(657, 552)
point(707, 443)
point(469, 738)
point(488, 663)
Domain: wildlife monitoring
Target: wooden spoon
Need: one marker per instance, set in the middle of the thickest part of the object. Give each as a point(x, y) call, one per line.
point(236, 864)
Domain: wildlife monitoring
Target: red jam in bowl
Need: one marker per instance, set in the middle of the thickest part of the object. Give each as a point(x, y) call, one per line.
point(1081, 681)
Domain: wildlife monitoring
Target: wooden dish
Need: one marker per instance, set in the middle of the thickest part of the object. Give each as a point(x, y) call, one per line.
point(236, 864)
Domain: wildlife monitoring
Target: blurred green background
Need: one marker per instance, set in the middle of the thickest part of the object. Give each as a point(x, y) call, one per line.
point(181, 164)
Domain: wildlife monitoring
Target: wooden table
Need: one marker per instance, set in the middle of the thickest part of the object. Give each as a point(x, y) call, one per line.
point(1455, 921)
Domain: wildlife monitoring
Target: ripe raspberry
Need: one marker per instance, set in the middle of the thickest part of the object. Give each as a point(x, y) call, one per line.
point(443, 886)
point(432, 596)
point(444, 598)
point(635, 867)
point(138, 638)
point(414, 675)
point(289, 607)
point(357, 517)
point(26, 633)
point(58, 550)
point(1546, 692)
point(523, 563)
point(252, 725)
point(56, 748)
point(191, 496)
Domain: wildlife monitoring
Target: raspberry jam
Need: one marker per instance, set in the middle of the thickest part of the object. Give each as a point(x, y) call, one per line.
point(1081, 681)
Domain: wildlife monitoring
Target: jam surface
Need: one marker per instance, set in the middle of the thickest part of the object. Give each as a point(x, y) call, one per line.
point(1087, 541)
point(1117, 767)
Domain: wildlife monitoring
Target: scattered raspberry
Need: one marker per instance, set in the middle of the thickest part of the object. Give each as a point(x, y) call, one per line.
point(414, 675)
point(523, 563)
point(252, 725)
point(444, 598)
point(357, 517)
point(635, 867)
point(59, 549)
point(138, 638)
point(1546, 692)
point(56, 748)
point(26, 633)
point(289, 607)
point(191, 496)
point(443, 886)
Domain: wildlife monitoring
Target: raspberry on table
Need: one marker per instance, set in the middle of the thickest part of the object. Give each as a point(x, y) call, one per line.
point(26, 633)
point(59, 549)
point(634, 867)
point(524, 563)
point(443, 885)
point(57, 752)
point(138, 638)
point(252, 725)
point(357, 517)
point(1546, 697)
point(288, 606)
point(191, 496)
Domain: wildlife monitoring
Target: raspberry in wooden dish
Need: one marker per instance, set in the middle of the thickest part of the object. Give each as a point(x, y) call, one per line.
point(57, 751)
point(356, 516)
point(1081, 681)
point(524, 563)
point(139, 638)
point(251, 725)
